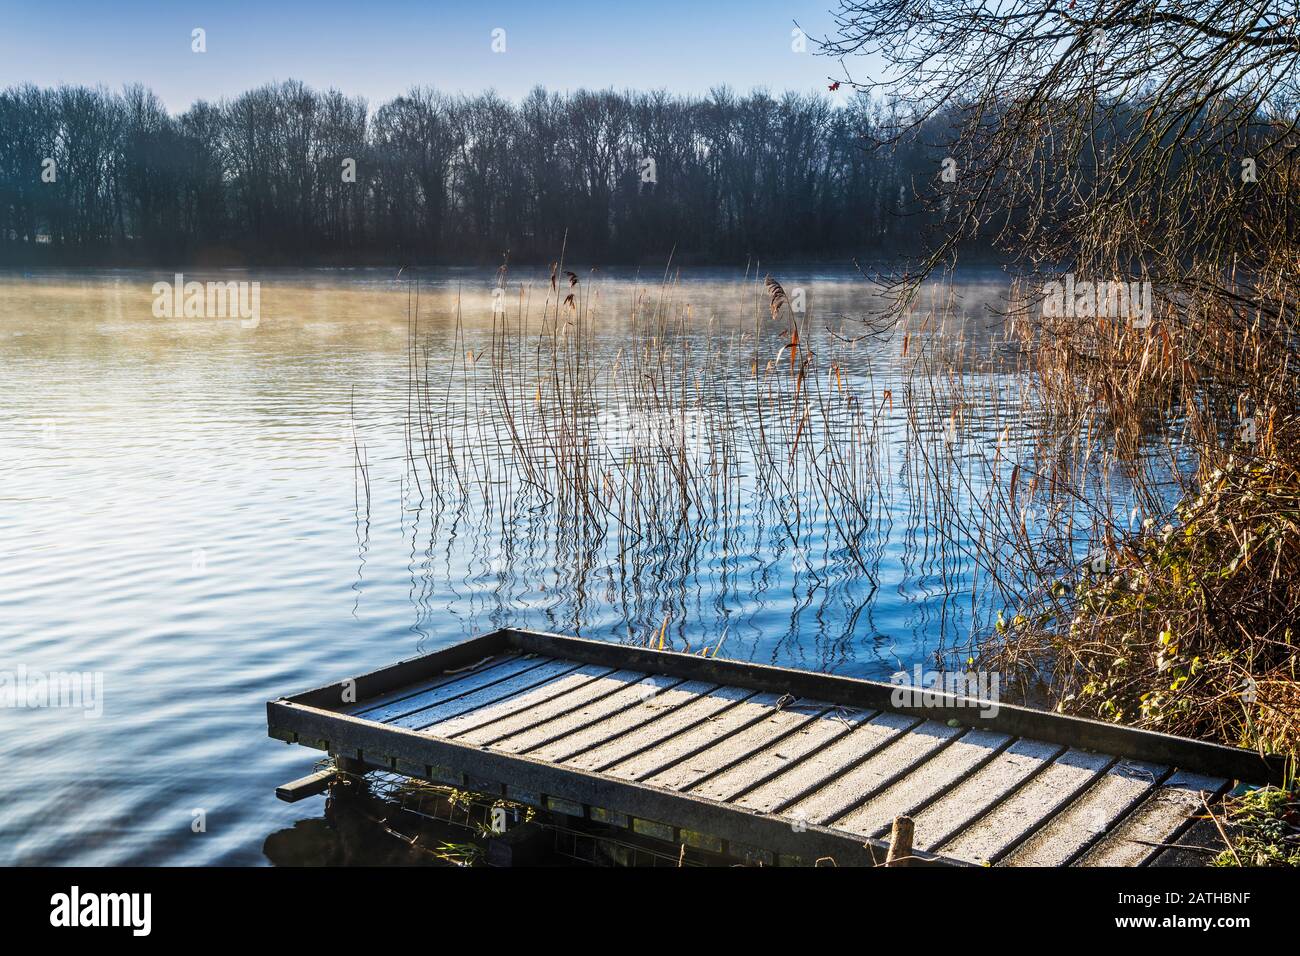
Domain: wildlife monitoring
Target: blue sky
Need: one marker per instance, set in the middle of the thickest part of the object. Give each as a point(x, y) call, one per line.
point(379, 49)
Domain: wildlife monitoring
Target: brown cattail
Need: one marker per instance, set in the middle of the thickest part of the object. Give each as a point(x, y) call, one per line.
point(776, 295)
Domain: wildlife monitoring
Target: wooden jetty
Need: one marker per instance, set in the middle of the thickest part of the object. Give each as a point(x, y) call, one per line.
point(766, 763)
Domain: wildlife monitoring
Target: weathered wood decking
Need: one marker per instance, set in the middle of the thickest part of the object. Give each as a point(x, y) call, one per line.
point(765, 761)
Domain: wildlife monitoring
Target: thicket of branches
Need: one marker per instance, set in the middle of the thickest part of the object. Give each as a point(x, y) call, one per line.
point(259, 178)
point(1115, 137)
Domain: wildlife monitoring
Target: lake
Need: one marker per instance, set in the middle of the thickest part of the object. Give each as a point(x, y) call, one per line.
point(208, 513)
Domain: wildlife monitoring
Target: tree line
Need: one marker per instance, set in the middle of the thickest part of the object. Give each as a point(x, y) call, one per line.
point(286, 174)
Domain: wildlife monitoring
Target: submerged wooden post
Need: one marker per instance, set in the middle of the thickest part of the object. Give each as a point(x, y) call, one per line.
point(349, 765)
point(900, 842)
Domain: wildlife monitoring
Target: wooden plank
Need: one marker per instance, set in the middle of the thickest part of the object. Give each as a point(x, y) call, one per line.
point(525, 701)
point(737, 746)
point(712, 729)
point(1155, 822)
point(367, 706)
point(929, 780)
point(1104, 737)
point(1197, 846)
point(721, 744)
point(307, 786)
point(413, 672)
point(490, 693)
point(963, 805)
point(572, 700)
point(854, 785)
point(660, 729)
point(818, 766)
point(1028, 808)
point(729, 782)
point(1088, 815)
point(525, 741)
point(459, 685)
point(624, 721)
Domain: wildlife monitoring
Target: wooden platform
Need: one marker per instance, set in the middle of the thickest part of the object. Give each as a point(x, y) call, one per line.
point(765, 763)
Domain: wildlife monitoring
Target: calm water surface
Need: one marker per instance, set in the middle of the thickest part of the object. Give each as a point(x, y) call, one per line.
point(180, 511)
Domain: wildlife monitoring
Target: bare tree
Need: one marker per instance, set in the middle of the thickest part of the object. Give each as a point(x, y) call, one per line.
point(1132, 136)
